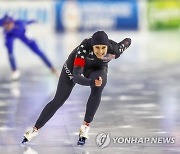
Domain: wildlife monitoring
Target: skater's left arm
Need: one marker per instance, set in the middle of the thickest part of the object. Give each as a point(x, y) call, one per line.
point(79, 64)
point(80, 79)
point(119, 48)
point(30, 22)
point(26, 22)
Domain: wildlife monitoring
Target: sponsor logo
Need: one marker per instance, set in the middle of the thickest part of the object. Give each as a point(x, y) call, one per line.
point(68, 72)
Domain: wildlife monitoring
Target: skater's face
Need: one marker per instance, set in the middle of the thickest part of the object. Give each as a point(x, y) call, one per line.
point(8, 25)
point(100, 50)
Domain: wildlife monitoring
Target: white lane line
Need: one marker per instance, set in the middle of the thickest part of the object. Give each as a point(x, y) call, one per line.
point(4, 95)
point(106, 98)
point(145, 105)
point(153, 117)
point(160, 132)
point(125, 126)
point(135, 86)
point(4, 112)
point(5, 128)
point(131, 98)
point(142, 112)
point(6, 85)
point(147, 93)
point(3, 103)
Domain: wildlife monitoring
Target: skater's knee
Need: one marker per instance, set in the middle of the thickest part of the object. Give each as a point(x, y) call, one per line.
point(53, 103)
point(32, 44)
point(10, 55)
point(55, 100)
point(56, 103)
point(97, 90)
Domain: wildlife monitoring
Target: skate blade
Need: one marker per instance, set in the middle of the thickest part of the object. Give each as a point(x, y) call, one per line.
point(80, 143)
point(24, 140)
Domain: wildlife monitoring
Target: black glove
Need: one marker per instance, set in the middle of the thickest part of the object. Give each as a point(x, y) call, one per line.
point(124, 44)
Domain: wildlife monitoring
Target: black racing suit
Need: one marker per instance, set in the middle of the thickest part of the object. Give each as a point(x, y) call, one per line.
point(82, 67)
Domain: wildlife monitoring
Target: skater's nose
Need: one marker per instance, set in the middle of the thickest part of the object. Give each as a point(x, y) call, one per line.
point(100, 52)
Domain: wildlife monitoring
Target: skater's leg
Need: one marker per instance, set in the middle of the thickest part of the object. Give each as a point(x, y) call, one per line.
point(92, 104)
point(64, 89)
point(9, 44)
point(95, 96)
point(34, 47)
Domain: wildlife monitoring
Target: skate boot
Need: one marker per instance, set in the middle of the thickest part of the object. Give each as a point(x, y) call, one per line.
point(83, 134)
point(15, 75)
point(55, 72)
point(30, 133)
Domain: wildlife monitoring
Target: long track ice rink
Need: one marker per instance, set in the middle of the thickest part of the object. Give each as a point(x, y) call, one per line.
point(141, 98)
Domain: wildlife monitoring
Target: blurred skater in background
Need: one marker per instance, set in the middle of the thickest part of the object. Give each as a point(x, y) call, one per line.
point(16, 29)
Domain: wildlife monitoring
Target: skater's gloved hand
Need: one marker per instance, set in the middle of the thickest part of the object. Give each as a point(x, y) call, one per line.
point(124, 44)
point(98, 82)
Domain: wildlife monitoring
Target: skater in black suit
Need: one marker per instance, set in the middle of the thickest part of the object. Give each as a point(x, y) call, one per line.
point(86, 65)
